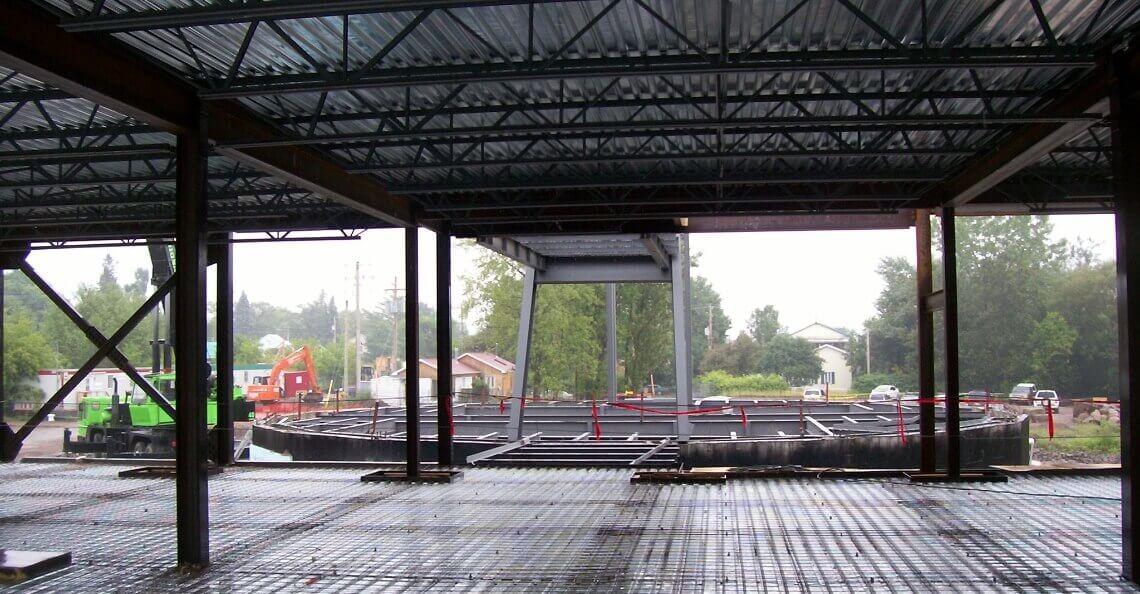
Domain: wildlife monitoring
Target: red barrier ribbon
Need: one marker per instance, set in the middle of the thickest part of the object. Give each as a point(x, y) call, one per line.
point(502, 405)
point(597, 425)
point(902, 425)
point(743, 417)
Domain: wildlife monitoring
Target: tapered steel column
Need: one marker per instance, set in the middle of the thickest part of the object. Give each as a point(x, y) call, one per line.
point(412, 348)
point(925, 285)
point(1126, 178)
point(444, 382)
point(522, 355)
point(611, 341)
point(224, 371)
point(950, 317)
point(682, 335)
point(191, 489)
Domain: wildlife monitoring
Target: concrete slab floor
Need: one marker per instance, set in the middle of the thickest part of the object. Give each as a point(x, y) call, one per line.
point(567, 530)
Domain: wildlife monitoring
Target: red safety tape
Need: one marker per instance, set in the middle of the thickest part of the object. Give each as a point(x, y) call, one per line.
point(743, 417)
point(1049, 415)
point(597, 425)
point(902, 425)
point(502, 405)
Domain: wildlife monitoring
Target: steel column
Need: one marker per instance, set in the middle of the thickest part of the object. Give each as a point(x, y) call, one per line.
point(224, 271)
point(925, 284)
point(522, 354)
point(191, 488)
point(611, 341)
point(950, 317)
point(412, 349)
point(682, 335)
point(443, 355)
point(1126, 165)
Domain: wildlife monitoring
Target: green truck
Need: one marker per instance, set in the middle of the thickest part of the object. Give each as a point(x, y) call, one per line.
point(134, 424)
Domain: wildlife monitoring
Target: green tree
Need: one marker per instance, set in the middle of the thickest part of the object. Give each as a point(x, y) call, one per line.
point(25, 353)
point(792, 358)
point(705, 299)
point(1051, 345)
point(1086, 297)
point(645, 334)
point(764, 325)
point(740, 357)
point(243, 317)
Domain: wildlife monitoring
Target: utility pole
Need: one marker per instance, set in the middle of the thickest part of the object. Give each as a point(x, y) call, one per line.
point(394, 309)
point(356, 377)
point(344, 384)
point(868, 350)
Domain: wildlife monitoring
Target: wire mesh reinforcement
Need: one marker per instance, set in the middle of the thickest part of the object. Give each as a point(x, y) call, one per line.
point(322, 530)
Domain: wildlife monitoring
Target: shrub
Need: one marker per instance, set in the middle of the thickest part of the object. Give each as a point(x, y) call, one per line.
point(726, 384)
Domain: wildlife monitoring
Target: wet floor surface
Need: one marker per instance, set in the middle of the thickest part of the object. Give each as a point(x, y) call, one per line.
point(567, 530)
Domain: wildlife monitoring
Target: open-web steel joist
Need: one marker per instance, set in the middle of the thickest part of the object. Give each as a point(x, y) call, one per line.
point(512, 118)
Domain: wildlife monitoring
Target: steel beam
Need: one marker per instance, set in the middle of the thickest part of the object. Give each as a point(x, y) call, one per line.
point(191, 486)
point(803, 222)
point(443, 352)
point(95, 358)
point(198, 16)
point(98, 339)
point(1126, 168)
point(224, 368)
point(925, 285)
point(1026, 145)
point(412, 349)
point(32, 43)
point(652, 127)
point(950, 319)
point(682, 334)
point(667, 65)
point(522, 355)
point(656, 249)
point(83, 155)
point(611, 342)
point(602, 270)
point(514, 250)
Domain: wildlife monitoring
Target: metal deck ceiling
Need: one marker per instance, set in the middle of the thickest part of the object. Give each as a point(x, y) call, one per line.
point(512, 117)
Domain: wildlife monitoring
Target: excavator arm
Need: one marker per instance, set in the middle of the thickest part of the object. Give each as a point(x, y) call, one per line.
point(272, 387)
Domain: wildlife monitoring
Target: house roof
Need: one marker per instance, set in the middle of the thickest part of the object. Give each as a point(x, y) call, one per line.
point(492, 360)
point(457, 367)
point(832, 347)
point(823, 333)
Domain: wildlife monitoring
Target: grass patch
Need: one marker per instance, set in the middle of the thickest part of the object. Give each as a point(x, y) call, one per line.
point(1082, 437)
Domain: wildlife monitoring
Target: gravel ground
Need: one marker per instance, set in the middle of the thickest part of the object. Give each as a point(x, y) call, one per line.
point(1082, 457)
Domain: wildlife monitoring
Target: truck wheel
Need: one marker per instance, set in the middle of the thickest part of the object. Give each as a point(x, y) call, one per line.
point(94, 436)
point(140, 446)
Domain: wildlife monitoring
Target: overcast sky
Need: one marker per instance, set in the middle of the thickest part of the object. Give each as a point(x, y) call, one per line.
point(827, 277)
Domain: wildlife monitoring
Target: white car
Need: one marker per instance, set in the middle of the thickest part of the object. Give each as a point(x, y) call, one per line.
point(884, 393)
point(813, 394)
point(1048, 398)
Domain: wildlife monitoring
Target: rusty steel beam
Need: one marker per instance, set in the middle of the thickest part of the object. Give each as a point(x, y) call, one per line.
point(32, 43)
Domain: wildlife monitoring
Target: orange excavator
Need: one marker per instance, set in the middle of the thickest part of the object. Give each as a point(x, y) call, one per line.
point(269, 389)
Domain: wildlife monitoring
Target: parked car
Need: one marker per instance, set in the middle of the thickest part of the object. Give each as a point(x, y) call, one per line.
point(884, 393)
point(713, 401)
point(1048, 398)
point(813, 394)
point(1023, 391)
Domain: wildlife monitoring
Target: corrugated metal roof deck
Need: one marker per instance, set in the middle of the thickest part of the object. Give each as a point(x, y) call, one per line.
point(322, 529)
point(496, 115)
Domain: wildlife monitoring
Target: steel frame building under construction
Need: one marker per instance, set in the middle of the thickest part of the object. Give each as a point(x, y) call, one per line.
point(584, 138)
